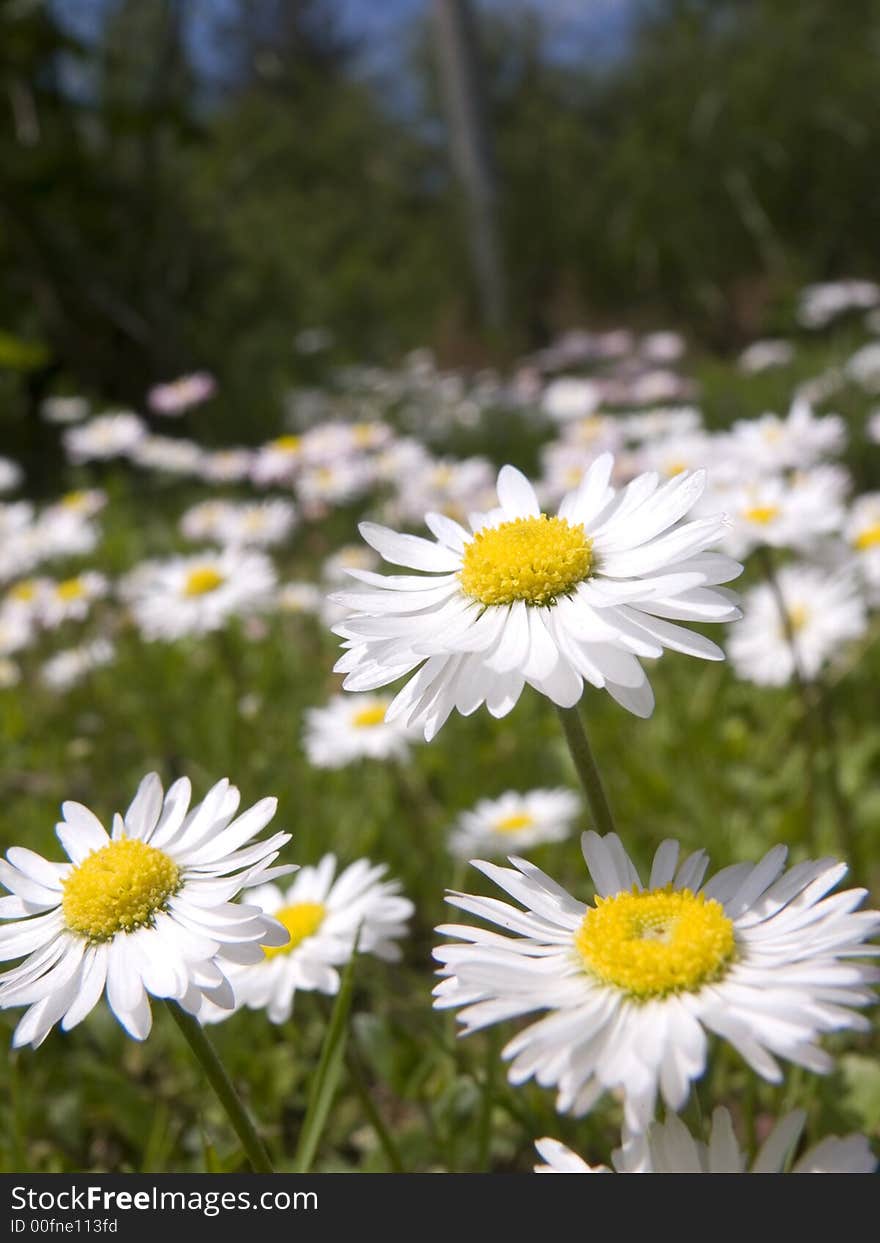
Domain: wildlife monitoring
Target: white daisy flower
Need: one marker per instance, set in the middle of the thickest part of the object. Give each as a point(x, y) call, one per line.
point(278, 461)
point(669, 1148)
point(65, 669)
point(763, 355)
point(770, 443)
point(634, 982)
point(323, 917)
point(571, 397)
point(825, 610)
point(70, 599)
point(17, 628)
point(178, 396)
point(674, 421)
point(821, 303)
point(525, 597)
point(146, 909)
point(662, 347)
point(107, 436)
point(863, 367)
point(168, 454)
point(64, 409)
point(259, 524)
point(515, 820)
point(11, 474)
point(351, 728)
point(862, 534)
point(226, 465)
point(198, 593)
point(299, 597)
point(785, 513)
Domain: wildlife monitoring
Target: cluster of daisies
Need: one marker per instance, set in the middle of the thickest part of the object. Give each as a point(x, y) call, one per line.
point(629, 537)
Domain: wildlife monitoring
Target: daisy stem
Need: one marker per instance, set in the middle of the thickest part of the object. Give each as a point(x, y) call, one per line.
point(215, 1072)
point(581, 754)
point(821, 735)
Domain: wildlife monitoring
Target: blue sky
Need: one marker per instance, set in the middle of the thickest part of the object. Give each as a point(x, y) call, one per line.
point(593, 30)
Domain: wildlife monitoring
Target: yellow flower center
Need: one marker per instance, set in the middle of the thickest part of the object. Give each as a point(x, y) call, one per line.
point(797, 616)
point(366, 718)
point(675, 468)
point(512, 824)
point(531, 559)
point(869, 538)
point(202, 580)
point(302, 920)
point(287, 444)
point(118, 888)
point(70, 589)
point(762, 514)
point(74, 500)
point(655, 943)
point(24, 591)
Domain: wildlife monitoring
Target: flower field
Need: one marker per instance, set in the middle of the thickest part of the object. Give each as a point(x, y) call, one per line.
point(611, 613)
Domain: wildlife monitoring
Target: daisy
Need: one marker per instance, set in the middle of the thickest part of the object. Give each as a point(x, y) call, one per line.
point(64, 409)
point(198, 593)
point(763, 355)
point(571, 397)
point(168, 454)
point(824, 610)
point(299, 597)
point(107, 436)
point(353, 727)
point(324, 917)
point(65, 669)
point(864, 367)
point(146, 909)
point(821, 303)
point(784, 513)
point(862, 534)
point(11, 474)
point(71, 599)
point(260, 524)
point(515, 820)
point(770, 443)
point(669, 1148)
point(278, 461)
point(178, 396)
point(226, 465)
point(635, 981)
point(662, 347)
point(525, 597)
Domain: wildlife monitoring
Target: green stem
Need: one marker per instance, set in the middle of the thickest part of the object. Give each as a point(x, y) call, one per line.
point(358, 1080)
point(576, 737)
point(206, 1056)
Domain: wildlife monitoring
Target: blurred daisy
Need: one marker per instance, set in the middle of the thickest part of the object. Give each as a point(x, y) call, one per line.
point(825, 610)
point(874, 427)
point(664, 421)
point(299, 597)
point(662, 347)
point(226, 465)
point(278, 461)
point(784, 513)
point(17, 629)
point(515, 821)
point(64, 409)
point(65, 669)
point(529, 598)
point(10, 674)
point(167, 454)
point(633, 983)
point(862, 534)
point(70, 599)
point(323, 917)
point(770, 443)
point(820, 303)
point(763, 355)
point(11, 474)
point(148, 909)
point(255, 523)
point(199, 593)
point(353, 727)
point(571, 397)
point(669, 1148)
point(180, 395)
point(863, 367)
point(107, 436)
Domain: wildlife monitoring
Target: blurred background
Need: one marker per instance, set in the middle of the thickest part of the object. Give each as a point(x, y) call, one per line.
point(265, 187)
